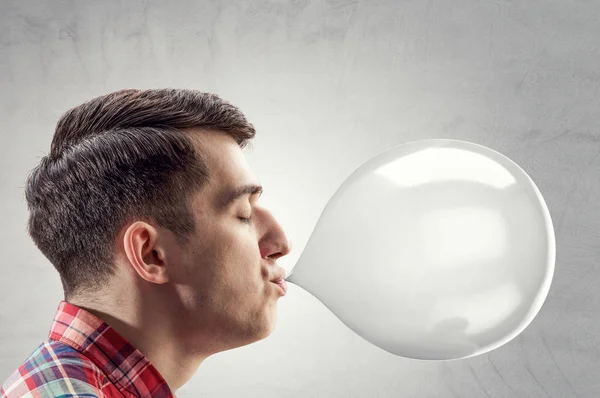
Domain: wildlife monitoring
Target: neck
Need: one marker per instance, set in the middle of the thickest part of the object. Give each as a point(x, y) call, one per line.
point(155, 330)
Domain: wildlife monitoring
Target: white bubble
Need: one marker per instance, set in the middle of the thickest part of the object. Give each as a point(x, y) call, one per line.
point(435, 249)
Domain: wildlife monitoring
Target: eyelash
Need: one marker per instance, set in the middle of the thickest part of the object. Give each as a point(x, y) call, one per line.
point(246, 220)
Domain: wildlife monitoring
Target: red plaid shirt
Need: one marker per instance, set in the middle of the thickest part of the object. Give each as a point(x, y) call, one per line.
point(85, 357)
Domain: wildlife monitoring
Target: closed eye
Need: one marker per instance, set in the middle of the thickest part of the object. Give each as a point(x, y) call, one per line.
point(245, 220)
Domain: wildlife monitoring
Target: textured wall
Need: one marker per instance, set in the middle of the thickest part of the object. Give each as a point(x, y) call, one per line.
point(329, 84)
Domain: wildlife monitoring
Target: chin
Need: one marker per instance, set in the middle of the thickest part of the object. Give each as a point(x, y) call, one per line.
point(255, 328)
point(253, 336)
point(267, 325)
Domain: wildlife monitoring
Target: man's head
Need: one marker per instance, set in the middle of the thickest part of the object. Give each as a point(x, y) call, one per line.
point(133, 196)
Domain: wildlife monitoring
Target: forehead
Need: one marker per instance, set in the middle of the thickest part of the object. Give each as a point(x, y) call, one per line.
point(226, 161)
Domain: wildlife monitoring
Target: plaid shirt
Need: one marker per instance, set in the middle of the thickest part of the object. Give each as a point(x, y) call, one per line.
point(85, 357)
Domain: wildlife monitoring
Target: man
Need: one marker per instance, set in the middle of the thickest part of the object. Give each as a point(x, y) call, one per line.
point(149, 211)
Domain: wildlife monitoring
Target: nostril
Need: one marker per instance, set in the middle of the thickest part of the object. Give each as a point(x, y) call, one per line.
point(276, 256)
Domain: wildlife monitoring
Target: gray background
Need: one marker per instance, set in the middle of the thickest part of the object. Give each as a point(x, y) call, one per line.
point(328, 84)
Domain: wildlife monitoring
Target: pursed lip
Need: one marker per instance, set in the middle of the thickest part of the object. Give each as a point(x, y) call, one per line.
point(279, 280)
point(283, 285)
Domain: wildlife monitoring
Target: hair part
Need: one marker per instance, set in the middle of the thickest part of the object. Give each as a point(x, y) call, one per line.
point(115, 159)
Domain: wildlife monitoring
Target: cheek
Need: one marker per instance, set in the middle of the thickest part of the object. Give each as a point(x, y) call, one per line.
point(228, 259)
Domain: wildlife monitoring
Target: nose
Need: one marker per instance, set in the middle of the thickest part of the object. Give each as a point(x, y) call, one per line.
point(284, 250)
point(275, 243)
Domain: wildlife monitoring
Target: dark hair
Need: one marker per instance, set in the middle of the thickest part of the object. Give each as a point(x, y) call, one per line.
point(118, 158)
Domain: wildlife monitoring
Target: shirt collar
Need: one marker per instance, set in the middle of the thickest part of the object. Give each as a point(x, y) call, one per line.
point(124, 365)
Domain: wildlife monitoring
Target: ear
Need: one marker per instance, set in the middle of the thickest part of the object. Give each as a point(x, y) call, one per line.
point(145, 253)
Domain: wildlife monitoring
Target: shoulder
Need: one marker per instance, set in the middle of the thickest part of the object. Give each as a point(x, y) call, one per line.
point(55, 369)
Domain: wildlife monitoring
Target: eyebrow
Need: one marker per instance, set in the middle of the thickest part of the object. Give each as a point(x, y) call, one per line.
point(231, 196)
